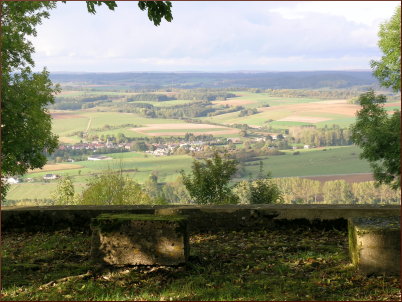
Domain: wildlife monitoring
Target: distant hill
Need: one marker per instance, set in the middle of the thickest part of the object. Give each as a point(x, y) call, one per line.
point(262, 80)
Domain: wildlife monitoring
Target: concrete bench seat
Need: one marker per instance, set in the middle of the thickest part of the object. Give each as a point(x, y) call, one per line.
point(375, 244)
point(139, 239)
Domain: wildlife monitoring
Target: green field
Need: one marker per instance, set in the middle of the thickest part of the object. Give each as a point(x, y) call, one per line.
point(264, 98)
point(336, 160)
point(256, 119)
point(280, 108)
point(79, 121)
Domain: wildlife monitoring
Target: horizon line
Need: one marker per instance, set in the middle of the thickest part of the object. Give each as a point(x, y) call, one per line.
point(199, 71)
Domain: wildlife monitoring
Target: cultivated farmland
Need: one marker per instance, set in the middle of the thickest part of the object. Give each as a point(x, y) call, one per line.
point(182, 129)
point(289, 112)
point(119, 111)
point(311, 163)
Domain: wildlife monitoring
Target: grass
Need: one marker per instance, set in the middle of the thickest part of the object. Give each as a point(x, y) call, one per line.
point(135, 164)
point(38, 190)
point(286, 124)
point(56, 167)
point(99, 119)
point(312, 162)
point(281, 264)
point(260, 99)
point(337, 160)
point(344, 122)
point(65, 127)
point(31, 190)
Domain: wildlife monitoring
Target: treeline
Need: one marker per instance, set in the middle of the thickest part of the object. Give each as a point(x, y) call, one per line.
point(303, 190)
point(246, 112)
point(225, 109)
point(305, 93)
point(294, 190)
point(327, 136)
point(150, 98)
point(106, 127)
point(262, 80)
point(389, 98)
point(62, 103)
point(191, 110)
point(204, 95)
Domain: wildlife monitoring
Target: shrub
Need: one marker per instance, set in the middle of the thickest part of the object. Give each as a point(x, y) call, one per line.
point(65, 193)
point(208, 182)
point(113, 188)
point(260, 191)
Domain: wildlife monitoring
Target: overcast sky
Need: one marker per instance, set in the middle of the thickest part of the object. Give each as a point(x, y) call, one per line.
point(214, 36)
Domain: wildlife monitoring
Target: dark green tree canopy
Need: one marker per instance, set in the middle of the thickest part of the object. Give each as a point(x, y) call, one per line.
point(208, 183)
point(376, 132)
point(379, 135)
point(157, 10)
point(388, 68)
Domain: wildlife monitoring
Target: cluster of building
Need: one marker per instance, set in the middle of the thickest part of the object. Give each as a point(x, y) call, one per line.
point(15, 180)
point(94, 146)
point(167, 149)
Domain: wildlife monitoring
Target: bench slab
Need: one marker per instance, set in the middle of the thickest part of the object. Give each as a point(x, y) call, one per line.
point(139, 239)
point(375, 244)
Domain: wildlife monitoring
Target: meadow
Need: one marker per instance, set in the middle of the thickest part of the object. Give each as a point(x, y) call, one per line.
point(341, 160)
point(274, 112)
point(282, 113)
point(67, 123)
point(287, 112)
point(313, 162)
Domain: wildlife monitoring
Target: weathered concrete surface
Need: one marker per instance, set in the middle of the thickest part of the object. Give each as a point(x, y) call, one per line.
point(60, 217)
point(375, 244)
point(201, 218)
point(133, 239)
point(237, 217)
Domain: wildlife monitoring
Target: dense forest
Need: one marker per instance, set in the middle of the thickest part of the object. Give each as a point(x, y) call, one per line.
point(262, 80)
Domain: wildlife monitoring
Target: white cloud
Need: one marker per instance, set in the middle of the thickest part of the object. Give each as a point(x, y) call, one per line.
point(368, 13)
point(213, 36)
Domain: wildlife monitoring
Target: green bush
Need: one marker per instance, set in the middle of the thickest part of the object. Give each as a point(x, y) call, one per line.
point(208, 183)
point(113, 188)
point(260, 191)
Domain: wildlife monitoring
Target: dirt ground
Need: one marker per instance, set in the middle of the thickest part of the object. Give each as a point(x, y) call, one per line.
point(392, 104)
point(181, 129)
point(55, 167)
point(59, 116)
point(304, 119)
point(334, 107)
point(350, 178)
point(234, 102)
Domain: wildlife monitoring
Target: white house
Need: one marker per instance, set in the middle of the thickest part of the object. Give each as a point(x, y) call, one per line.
point(12, 180)
point(50, 176)
point(98, 157)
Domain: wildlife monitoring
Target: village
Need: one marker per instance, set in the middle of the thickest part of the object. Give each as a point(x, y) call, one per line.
point(98, 150)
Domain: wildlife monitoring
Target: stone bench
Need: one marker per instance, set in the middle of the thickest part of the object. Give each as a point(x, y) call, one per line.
point(139, 239)
point(375, 244)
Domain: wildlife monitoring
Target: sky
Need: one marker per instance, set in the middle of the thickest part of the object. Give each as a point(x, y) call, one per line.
point(213, 36)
